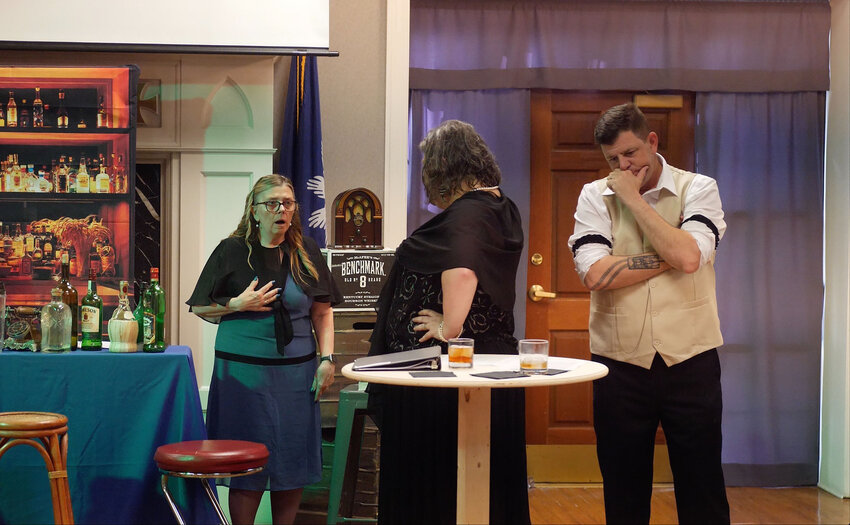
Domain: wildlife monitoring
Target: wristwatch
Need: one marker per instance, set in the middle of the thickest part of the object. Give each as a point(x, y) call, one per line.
point(329, 357)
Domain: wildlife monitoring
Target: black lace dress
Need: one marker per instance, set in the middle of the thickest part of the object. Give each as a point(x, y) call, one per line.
point(418, 473)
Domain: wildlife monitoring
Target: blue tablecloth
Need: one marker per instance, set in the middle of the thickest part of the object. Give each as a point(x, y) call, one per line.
point(120, 408)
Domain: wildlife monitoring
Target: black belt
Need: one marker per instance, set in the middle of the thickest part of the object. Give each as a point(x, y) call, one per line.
point(267, 361)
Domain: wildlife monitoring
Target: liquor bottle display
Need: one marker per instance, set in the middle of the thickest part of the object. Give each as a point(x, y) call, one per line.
point(123, 327)
point(56, 330)
point(59, 190)
point(153, 303)
point(69, 296)
point(91, 317)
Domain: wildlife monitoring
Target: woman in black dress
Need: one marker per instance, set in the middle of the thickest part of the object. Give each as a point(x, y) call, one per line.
point(454, 275)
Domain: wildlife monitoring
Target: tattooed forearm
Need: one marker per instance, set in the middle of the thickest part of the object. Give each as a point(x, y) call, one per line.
point(635, 262)
point(608, 277)
point(644, 262)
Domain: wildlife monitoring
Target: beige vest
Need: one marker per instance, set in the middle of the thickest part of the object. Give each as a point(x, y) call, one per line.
point(674, 313)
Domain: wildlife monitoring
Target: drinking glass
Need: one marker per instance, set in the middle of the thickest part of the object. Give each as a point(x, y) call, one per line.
point(460, 352)
point(533, 356)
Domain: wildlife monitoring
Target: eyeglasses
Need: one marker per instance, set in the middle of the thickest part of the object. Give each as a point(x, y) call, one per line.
point(275, 206)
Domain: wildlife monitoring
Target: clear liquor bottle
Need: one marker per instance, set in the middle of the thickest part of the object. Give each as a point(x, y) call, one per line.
point(37, 110)
point(69, 296)
point(56, 324)
point(18, 242)
point(102, 182)
point(83, 183)
point(91, 316)
point(62, 112)
point(12, 111)
point(153, 303)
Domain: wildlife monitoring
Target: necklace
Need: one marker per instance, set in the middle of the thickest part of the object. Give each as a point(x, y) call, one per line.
point(488, 188)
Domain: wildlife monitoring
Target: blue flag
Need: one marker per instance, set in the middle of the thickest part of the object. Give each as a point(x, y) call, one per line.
point(301, 146)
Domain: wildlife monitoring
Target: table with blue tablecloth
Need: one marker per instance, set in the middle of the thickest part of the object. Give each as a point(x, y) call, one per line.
point(120, 408)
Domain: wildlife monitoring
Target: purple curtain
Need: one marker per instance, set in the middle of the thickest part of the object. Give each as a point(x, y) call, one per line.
point(501, 118)
point(766, 153)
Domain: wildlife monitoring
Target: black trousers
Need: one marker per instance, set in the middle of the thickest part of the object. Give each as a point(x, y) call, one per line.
point(686, 399)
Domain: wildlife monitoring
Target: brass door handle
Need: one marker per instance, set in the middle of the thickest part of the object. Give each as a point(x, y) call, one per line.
point(537, 293)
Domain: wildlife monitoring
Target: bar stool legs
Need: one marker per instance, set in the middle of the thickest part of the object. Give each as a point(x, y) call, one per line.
point(48, 434)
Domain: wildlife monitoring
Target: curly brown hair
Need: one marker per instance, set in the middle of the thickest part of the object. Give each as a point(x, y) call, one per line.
point(454, 155)
point(247, 229)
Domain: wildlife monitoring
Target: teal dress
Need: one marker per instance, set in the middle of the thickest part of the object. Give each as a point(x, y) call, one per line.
point(260, 389)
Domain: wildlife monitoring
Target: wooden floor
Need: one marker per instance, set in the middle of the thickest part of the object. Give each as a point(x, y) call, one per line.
point(582, 504)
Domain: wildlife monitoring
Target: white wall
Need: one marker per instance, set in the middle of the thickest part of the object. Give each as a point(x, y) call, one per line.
point(835, 389)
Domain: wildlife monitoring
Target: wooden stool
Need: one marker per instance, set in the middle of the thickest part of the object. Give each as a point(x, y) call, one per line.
point(48, 434)
point(205, 460)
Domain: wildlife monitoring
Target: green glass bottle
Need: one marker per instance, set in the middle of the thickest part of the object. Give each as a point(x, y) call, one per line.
point(153, 303)
point(91, 316)
point(139, 312)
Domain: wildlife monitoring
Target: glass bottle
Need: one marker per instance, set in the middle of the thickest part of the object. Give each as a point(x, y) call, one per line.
point(37, 110)
point(123, 328)
point(26, 265)
point(37, 253)
point(62, 176)
point(102, 115)
point(62, 112)
point(102, 180)
point(91, 316)
point(69, 296)
point(2, 116)
point(18, 242)
point(83, 183)
point(119, 173)
point(8, 242)
point(12, 111)
point(24, 115)
point(153, 304)
point(139, 312)
point(29, 239)
point(56, 329)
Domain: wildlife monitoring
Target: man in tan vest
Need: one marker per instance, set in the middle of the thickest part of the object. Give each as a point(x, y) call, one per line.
point(644, 244)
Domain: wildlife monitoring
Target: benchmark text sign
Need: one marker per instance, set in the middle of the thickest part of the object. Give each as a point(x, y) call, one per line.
point(360, 275)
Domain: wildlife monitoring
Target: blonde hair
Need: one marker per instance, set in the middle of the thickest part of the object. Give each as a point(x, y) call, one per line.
point(249, 231)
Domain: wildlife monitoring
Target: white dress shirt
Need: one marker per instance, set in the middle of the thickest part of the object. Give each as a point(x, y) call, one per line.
point(592, 218)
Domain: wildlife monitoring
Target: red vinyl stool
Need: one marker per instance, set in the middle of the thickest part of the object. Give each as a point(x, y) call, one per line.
point(205, 460)
point(48, 434)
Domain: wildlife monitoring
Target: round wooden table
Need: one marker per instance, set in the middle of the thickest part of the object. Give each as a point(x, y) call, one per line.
point(473, 414)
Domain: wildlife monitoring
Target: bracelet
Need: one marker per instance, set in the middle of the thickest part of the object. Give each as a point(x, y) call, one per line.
point(440, 335)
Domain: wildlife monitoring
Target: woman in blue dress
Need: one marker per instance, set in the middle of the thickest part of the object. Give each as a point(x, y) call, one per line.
point(272, 293)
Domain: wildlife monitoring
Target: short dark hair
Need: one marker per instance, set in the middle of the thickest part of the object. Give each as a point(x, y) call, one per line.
point(625, 117)
point(454, 153)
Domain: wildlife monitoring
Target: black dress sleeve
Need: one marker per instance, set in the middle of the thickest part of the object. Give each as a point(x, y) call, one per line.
point(212, 283)
point(324, 289)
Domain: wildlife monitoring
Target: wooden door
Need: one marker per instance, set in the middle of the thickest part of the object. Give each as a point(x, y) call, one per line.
point(563, 159)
